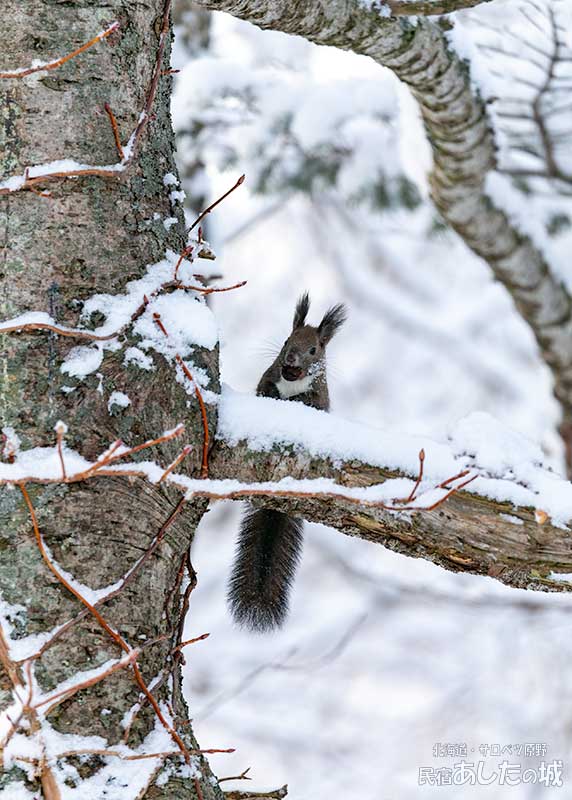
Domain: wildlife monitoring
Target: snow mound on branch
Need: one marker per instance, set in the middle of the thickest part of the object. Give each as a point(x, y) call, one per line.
point(510, 467)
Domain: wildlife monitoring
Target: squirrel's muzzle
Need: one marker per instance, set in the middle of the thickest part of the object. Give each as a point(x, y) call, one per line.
point(292, 373)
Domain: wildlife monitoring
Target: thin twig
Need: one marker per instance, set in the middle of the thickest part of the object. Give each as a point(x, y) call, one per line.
point(115, 130)
point(419, 477)
point(191, 641)
point(184, 452)
point(205, 459)
point(60, 430)
point(242, 777)
point(22, 73)
point(208, 210)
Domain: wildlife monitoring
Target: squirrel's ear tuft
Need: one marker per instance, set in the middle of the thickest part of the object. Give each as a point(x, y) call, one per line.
point(301, 312)
point(333, 319)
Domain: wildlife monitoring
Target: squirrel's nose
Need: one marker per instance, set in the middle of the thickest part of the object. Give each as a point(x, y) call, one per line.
point(291, 358)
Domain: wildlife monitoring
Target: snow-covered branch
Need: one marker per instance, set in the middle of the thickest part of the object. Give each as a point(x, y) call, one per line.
point(422, 55)
point(510, 523)
point(482, 502)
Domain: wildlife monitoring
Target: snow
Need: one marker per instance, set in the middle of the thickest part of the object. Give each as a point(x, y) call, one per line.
point(507, 466)
point(31, 318)
point(265, 422)
point(118, 399)
point(430, 339)
point(394, 613)
point(133, 355)
point(62, 165)
point(17, 790)
point(377, 5)
point(510, 467)
point(119, 779)
point(82, 361)
point(169, 222)
point(42, 463)
point(510, 67)
point(11, 443)
point(21, 647)
point(512, 519)
point(565, 577)
point(187, 319)
point(494, 447)
point(281, 126)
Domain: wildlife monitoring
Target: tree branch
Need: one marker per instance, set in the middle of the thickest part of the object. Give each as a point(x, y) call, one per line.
point(463, 145)
point(470, 532)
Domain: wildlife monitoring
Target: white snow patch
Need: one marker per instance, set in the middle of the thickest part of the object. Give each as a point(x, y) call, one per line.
point(265, 422)
point(565, 577)
point(11, 442)
point(81, 361)
point(133, 355)
point(169, 222)
point(24, 647)
point(18, 791)
point(119, 399)
point(187, 319)
point(511, 518)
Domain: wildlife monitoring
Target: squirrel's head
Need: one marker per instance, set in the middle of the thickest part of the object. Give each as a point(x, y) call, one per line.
point(303, 351)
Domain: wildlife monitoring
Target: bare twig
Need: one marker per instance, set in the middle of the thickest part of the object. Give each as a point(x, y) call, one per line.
point(208, 210)
point(22, 73)
point(115, 130)
point(242, 777)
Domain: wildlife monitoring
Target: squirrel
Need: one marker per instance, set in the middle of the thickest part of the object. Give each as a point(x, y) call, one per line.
point(270, 542)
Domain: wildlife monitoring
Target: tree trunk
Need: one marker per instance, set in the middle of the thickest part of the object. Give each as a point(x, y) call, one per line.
point(92, 234)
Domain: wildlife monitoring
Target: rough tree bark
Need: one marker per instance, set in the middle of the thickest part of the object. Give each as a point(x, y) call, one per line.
point(463, 146)
point(92, 235)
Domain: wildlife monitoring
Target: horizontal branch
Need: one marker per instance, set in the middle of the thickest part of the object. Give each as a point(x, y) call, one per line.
point(464, 151)
point(418, 497)
point(500, 527)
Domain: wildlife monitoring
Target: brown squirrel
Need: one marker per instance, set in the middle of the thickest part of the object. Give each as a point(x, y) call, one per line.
point(270, 542)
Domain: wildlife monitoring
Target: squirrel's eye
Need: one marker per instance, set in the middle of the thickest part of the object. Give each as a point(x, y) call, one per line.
point(312, 351)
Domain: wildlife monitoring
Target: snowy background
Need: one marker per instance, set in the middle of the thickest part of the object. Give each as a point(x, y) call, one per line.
point(383, 657)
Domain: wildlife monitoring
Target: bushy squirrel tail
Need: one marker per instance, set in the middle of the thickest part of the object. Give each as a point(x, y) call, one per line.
point(268, 551)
